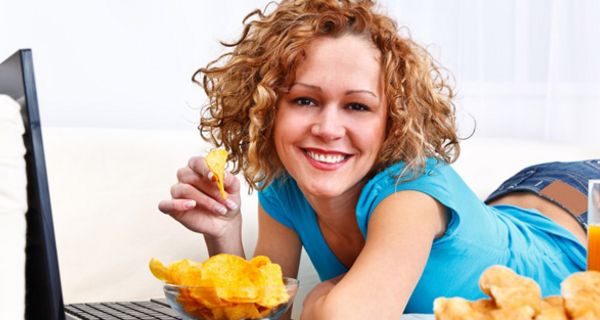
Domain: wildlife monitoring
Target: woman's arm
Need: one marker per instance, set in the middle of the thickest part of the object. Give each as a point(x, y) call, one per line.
point(383, 277)
point(280, 244)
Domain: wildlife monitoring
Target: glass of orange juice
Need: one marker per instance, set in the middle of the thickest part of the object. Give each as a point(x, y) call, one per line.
point(593, 260)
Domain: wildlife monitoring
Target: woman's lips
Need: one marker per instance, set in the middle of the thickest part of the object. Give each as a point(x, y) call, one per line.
point(326, 160)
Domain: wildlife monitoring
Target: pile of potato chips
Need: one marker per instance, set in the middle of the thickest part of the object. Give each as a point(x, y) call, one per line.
point(516, 297)
point(226, 286)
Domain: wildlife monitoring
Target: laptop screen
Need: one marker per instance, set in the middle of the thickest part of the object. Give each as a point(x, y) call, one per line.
point(43, 299)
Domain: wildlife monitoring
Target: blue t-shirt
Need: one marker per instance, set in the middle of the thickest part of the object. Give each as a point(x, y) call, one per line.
point(477, 235)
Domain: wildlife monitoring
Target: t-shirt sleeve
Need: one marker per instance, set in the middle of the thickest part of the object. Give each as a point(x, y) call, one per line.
point(271, 201)
point(433, 182)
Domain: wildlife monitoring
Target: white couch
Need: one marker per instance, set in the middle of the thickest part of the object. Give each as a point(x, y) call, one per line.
point(105, 185)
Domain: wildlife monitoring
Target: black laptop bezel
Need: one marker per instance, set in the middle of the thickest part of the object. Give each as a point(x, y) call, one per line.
point(43, 294)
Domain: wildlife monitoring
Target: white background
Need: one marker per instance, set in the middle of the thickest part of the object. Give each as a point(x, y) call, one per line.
point(525, 69)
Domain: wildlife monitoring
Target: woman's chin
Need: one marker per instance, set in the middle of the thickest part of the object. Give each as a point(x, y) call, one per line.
point(323, 191)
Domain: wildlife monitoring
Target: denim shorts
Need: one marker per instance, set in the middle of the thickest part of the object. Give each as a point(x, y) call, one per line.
point(562, 183)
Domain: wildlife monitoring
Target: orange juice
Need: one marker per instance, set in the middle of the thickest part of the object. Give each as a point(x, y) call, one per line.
point(593, 258)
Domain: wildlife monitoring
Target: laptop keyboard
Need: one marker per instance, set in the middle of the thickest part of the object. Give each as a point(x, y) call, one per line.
point(136, 310)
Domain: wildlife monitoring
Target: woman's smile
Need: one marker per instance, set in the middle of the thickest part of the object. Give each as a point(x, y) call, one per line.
point(326, 160)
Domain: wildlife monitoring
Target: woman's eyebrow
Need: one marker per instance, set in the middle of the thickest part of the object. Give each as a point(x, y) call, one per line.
point(310, 86)
point(361, 91)
point(317, 88)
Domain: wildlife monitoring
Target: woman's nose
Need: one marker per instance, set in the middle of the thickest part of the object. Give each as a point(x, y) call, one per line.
point(328, 125)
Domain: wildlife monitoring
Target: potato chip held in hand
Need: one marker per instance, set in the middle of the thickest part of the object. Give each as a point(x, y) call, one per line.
point(216, 160)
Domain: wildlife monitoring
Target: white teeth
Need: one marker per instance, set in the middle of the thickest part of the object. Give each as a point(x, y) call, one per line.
point(327, 158)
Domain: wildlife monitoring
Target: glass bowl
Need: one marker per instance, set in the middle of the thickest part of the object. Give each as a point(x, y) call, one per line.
point(186, 301)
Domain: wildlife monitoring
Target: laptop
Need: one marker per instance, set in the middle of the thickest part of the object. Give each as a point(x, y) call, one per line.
point(43, 297)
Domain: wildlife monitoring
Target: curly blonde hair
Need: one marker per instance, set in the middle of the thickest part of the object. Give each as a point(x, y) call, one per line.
point(243, 86)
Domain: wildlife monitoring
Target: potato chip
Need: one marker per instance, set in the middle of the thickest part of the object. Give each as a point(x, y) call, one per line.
point(206, 294)
point(185, 272)
point(510, 290)
point(159, 270)
point(455, 309)
point(516, 313)
point(581, 293)
point(235, 279)
point(552, 309)
point(216, 160)
point(218, 313)
point(275, 292)
point(191, 305)
point(241, 311)
point(260, 261)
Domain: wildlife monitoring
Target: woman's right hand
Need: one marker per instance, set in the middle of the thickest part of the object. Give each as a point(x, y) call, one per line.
point(197, 204)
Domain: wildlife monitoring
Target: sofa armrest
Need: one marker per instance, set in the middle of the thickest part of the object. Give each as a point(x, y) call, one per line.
point(13, 205)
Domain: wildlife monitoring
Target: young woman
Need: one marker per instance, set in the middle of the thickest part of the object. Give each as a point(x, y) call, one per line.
point(347, 130)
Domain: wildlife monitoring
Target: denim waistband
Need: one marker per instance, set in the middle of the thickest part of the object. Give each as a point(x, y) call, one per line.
point(562, 183)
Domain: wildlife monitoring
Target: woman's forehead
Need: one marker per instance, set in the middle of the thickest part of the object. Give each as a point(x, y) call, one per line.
point(349, 58)
point(352, 41)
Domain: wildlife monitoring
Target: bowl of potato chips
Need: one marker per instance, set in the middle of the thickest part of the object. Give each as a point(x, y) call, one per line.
point(204, 303)
point(226, 287)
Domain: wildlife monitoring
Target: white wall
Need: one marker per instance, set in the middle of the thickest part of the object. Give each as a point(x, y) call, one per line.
point(528, 69)
point(124, 64)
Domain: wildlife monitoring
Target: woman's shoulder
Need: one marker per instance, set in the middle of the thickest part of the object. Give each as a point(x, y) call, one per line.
point(283, 192)
point(282, 197)
point(435, 175)
point(398, 175)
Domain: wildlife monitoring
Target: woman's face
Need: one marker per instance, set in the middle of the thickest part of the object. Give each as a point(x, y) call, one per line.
point(331, 123)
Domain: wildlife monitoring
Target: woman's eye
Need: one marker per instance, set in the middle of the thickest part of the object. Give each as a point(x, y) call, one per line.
point(358, 107)
point(303, 101)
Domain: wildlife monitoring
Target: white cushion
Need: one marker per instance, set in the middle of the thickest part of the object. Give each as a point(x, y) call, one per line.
point(485, 163)
point(13, 205)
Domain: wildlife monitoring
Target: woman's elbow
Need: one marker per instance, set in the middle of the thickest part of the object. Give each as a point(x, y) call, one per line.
point(322, 308)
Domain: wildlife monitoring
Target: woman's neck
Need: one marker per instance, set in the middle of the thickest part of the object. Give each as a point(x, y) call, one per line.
point(337, 213)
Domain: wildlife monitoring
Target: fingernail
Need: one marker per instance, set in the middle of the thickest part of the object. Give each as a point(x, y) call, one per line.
point(222, 210)
point(210, 175)
point(231, 204)
point(189, 204)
